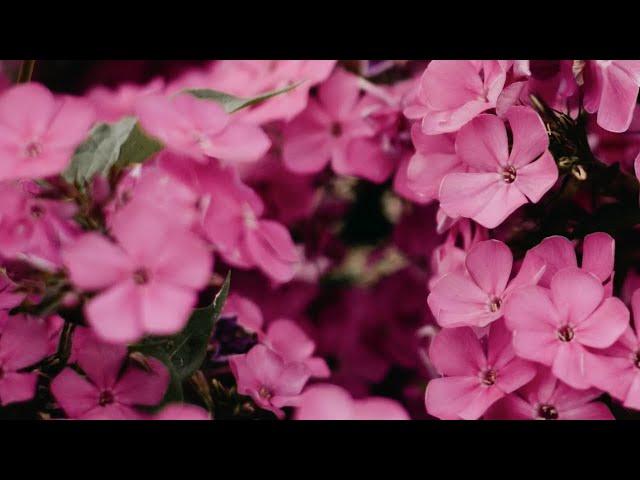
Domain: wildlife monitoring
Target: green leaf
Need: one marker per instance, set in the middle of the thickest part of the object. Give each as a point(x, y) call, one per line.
point(118, 144)
point(185, 351)
point(232, 103)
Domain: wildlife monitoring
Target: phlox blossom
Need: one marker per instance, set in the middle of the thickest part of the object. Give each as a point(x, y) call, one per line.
point(561, 326)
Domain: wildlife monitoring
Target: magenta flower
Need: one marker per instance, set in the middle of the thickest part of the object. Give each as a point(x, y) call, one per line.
point(331, 402)
point(39, 133)
point(336, 128)
point(617, 369)
point(24, 341)
point(105, 393)
point(287, 339)
point(200, 129)
point(270, 381)
point(453, 92)
point(611, 89)
point(547, 398)
point(598, 252)
point(558, 326)
point(500, 178)
point(477, 297)
point(147, 282)
point(474, 378)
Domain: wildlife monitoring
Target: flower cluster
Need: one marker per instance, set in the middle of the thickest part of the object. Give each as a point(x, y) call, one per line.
point(323, 240)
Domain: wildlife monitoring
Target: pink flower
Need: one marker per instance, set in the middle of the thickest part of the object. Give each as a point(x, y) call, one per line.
point(113, 104)
point(23, 343)
point(105, 393)
point(453, 92)
point(231, 219)
point(611, 89)
point(558, 326)
point(248, 78)
point(181, 411)
point(477, 296)
point(270, 381)
point(618, 367)
point(474, 378)
point(148, 281)
point(331, 402)
point(34, 228)
point(154, 189)
point(612, 148)
point(501, 179)
point(546, 398)
point(451, 254)
point(200, 129)
point(39, 133)
point(287, 339)
point(598, 252)
point(247, 312)
point(435, 157)
point(336, 128)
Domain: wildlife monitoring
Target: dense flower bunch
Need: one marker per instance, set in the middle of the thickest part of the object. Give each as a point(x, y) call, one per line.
point(323, 240)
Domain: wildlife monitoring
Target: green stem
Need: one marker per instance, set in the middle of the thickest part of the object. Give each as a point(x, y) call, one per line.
point(26, 71)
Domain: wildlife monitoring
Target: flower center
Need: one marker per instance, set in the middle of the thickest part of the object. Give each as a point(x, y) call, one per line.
point(565, 334)
point(336, 129)
point(33, 149)
point(636, 359)
point(141, 276)
point(547, 412)
point(106, 398)
point(249, 217)
point(494, 304)
point(36, 211)
point(488, 377)
point(509, 174)
point(265, 393)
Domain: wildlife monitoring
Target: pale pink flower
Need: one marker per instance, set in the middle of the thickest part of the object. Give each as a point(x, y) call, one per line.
point(559, 326)
point(200, 129)
point(104, 393)
point(435, 157)
point(336, 128)
point(34, 228)
point(500, 179)
point(271, 382)
point(154, 189)
point(287, 339)
point(451, 254)
point(231, 219)
point(617, 368)
point(248, 78)
point(477, 297)
point(598, 252)
point(453, 92)
point(547, 398)
point(331, 402)
point(248, 314)
point(473, 377)
point(611, 89)
point(23, 343)
point(181, 411)
point(38, 132)
point(113, 104)
point(147, 282)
